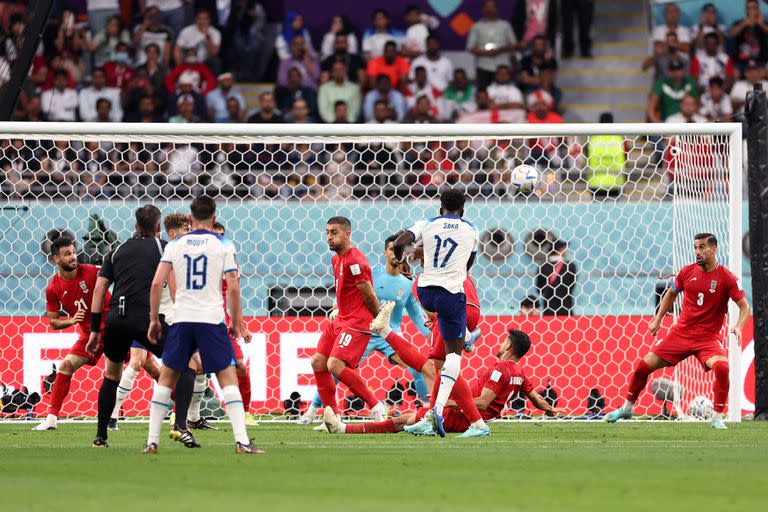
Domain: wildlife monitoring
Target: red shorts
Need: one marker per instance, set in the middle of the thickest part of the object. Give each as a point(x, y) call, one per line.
point(78, 349)
point(343, 342)
point(453, 419)
point(438, 346)
point(674, 348)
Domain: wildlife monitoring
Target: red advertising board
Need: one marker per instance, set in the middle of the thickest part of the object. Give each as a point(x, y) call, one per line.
point(574, 354)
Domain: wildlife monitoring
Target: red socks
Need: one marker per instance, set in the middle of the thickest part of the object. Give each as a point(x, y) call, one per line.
point(638, 380)
point(374, 427)
point(326, 387)
point(59, 392)
point(722, 383)
point(357, 385)
point(244, 383)
point(406, 351)
point(462, 395)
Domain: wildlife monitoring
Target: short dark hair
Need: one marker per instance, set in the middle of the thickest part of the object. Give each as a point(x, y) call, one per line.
point(103, 100)
point(391, 238)
point(520, 342)
point(420, 68)
point(413, 7)
point(716, 81)
point(147, 219)
point(384, 102)
point(529, 302)
point(98, 69)
point(175, 221)
point(219, 225)
point(380, 11)
point(452, 200)
point(390, 43)
point(709, 237)
point(61, 242)
point(203, 208)
point(712, 35)
point(341, 221)
point(433, 37)
point(339, 103)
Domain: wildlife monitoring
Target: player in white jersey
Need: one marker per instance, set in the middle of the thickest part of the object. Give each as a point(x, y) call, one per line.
point(200, 261)
point(450, 247)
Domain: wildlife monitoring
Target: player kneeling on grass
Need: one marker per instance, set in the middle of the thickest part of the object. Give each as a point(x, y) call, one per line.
point(491, 391)
point(708, 286)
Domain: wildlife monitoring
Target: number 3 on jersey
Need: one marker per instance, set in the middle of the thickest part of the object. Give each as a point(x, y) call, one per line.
point(450, 244)
point(700, 300)
point(197, 271)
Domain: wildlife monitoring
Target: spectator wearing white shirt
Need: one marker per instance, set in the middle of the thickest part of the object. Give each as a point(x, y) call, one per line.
point(712, 62)
point(708, 25)
point(753, 74)
point(339, 25)
point(439, 68)
point(672, 24)
point(375, 38)
point(60, 102)
point(715, 103)
point(202, 36)
point(98, 89)
point(491, 40)
point(422, 88)
point(689, 112)
point(503, 92)
point(415, 40)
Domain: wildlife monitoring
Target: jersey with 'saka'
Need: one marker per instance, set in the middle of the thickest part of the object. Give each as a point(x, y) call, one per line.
point(504, 378)
point(349, 270)
point(705, 300)
point(73, 294)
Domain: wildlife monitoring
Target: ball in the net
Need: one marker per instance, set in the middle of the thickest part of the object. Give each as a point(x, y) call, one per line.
point(525, 178)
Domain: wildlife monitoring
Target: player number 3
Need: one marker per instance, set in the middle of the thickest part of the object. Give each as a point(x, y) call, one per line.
point(700, 299)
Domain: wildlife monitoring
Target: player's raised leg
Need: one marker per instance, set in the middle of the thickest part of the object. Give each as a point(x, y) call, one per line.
point(637, 382)
point(60, 390)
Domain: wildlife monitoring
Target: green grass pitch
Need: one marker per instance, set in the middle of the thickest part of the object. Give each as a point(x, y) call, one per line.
point(523, 466)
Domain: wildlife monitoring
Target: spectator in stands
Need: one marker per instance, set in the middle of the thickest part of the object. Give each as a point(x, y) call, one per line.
point(421, 87)
point(202, 78)
point(480, 104)
point(103, 46)
point(299, 113)
point(606, 161)
point(104, 111)
point(716, 103)
point(689, 112)
point(340, 112)
point(268, 112)
point(293, 26)
point(138, 87)
point(556, 281)
point(459, 96)
point(152, 31)
point(439, 68)
point(664, 99)
point(293, 90)
point(421, 113)
point(753, 73)
point(750, 37)
point(543, 150)
point(119, 71)
point(540, 55)
point(98, 89)
point(547, 75)
point(570, 10)
point(340, 25)
point(186, 110)
point(384, 91)
point(60, 102)
point(202, 36)
point(672, 24)
point(492, 41)
point(382, 113)
point(712, 62)
point(146, 113)
point(338, 89)
point(390, 64)
point(100, 13)
point(69, 44)
point(187, 90)
point(173, 13)
point(354, 64)
point(33, 110)
point(503, 92)
point(418, 25)
point(533, 17)
point(217, 99)
point(235, 111)
point(156, 70)
point(244, 34)
point(376, 37)
point(302, 60)
point(664, 53)
point(708, 25)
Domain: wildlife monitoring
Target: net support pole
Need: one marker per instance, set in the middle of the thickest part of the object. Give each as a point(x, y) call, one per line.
point(757, 156)
point(735, 166)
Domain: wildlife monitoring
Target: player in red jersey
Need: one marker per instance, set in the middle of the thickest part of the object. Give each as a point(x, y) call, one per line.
point(345, 338)
point(493, 388)
point(70, 290)
point(708, 286)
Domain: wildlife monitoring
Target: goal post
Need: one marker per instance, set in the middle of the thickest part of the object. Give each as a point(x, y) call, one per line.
point(275, 186)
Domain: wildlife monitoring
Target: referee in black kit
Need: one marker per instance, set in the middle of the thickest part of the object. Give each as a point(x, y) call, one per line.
point(131, 267)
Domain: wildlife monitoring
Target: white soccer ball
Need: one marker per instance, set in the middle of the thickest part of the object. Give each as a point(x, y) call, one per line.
point(701, 407)
point(525, 178)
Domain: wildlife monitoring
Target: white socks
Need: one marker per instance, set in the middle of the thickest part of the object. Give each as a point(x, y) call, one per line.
point(628, 406)
point(479, 424)
point(157, 409)
point(234, 404)
point(448, 375)
point(124, 389)
point(201, 383)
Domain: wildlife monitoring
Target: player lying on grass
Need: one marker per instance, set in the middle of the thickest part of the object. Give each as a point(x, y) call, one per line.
point(707, 286)
point(491, 391)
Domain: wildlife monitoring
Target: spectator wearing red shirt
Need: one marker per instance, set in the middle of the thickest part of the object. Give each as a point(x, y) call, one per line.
point(390, 64)
point(712, 62)
point(543, 149)
point(119, 72)
point(203, 79)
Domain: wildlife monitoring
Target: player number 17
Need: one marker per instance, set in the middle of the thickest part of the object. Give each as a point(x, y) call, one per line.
point(450, 244)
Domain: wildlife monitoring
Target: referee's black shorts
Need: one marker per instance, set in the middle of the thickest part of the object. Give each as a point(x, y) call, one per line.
point(121, 332)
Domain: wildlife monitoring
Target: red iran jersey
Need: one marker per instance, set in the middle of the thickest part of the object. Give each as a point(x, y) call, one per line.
point(705, 301)
point(503, 378)
point(73, 294)
point(349, 270)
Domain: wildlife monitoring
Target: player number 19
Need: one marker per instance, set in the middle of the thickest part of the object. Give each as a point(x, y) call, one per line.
point(700, 300)
point(345, 339)
point(197, 271)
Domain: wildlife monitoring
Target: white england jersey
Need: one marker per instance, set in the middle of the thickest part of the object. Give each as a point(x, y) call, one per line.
point(166, 304)
point(449, 241)
point(200, 259)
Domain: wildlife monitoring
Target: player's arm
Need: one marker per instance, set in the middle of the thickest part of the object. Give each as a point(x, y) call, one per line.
point(172, 285)
point(235, 304)
point(666, 304)
point(744, 312)
point(97, 306)
point(155, 296)
point(369, 297)
point(482, 402)
point(57, 323)
point(401, 242)
point(471, 260)
point(542, 405)
point(417, 315)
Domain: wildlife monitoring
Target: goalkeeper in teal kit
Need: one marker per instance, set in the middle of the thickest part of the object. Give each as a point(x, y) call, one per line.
point(390, 286)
